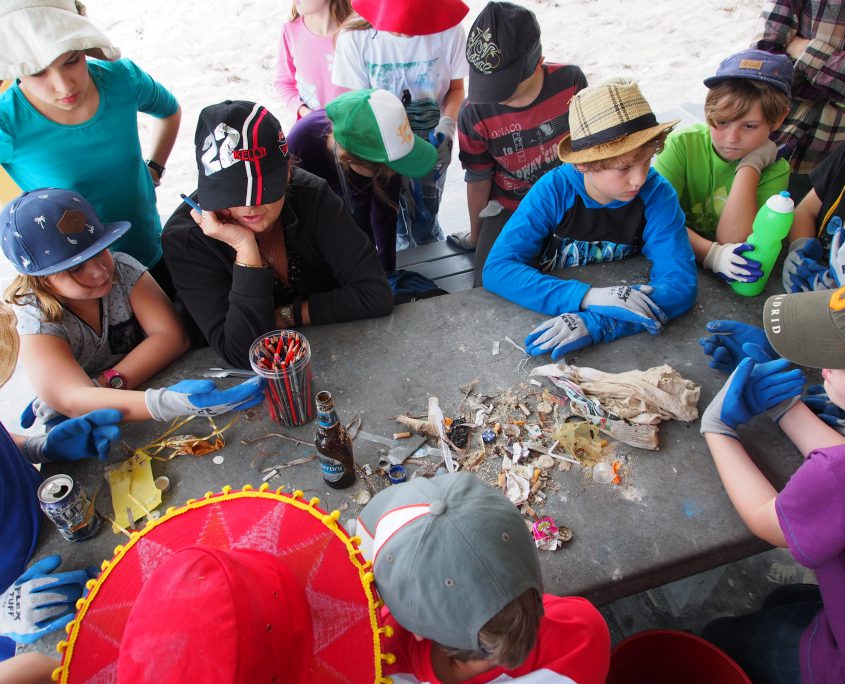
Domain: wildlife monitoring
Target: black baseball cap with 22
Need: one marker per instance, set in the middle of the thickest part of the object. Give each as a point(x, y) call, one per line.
point(242, 156)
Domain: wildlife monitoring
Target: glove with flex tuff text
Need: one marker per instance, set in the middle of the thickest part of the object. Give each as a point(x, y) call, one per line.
point(560, 335)
point(40, 601)
point(202, 398)
point(626, 303)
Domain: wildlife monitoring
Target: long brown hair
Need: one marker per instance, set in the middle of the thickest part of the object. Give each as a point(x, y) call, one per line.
point(340, 10)
point(381, 172)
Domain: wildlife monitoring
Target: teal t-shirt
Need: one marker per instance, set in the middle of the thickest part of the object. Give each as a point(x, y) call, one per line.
point(100, 159)
point(703, 179)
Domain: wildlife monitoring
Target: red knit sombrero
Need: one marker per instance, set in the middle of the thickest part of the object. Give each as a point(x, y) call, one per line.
point(314, 549)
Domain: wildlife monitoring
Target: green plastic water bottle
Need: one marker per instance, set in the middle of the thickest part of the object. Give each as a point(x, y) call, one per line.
point(771, 225)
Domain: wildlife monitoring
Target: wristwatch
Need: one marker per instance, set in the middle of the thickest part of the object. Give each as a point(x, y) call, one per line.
point(114, 379)
point(155, 166)
point(286, 314)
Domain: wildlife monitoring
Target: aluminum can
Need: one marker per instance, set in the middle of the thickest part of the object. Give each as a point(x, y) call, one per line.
point(65, 503)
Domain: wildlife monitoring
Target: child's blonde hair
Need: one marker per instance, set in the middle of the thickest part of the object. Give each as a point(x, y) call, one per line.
point(340, 10)
point(638, 154)
point(48, 301)
point(509, 636)
point(733, 98)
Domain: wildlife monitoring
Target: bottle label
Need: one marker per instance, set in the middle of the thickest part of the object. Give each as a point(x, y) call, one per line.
point(332, 469)
point(326, 419)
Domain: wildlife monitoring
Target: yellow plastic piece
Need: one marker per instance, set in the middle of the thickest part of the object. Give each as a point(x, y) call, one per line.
point(133, 488)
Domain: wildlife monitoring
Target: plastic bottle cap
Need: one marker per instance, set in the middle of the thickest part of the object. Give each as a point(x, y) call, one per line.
point(603, 473)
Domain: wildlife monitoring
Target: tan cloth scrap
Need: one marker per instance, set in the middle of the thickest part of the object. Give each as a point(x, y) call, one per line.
point(645, 397)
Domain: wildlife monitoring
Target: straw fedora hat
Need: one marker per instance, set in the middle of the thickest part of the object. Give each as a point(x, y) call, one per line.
point(9, 343)
point(608, 120)
point(234, 588)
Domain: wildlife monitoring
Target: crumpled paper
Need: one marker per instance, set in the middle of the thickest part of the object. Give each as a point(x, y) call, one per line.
point(639, 396)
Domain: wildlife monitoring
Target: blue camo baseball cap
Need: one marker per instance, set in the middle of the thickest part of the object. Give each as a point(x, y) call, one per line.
point(49, 230)
point(756, 65)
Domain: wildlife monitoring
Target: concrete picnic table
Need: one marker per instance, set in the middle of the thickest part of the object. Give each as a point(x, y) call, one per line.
point(669, 519)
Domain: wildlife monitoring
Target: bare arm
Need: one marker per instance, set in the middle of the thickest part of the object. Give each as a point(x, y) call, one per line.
point(807, 431)
point(478, 195)
point(59, 380)
point(750, 492)
point(700, 245)
point(453, 99)
point(806, 215)
point(741, 207)
point(166, 338)
point(164, 137)
point(28, 668)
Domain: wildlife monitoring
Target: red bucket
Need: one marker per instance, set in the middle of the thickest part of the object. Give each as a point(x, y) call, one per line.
point(664, 656)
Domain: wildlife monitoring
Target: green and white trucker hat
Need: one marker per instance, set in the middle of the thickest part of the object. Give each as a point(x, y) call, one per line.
point(372, 125)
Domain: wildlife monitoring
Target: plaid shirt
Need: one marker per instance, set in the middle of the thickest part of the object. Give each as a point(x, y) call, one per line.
point(816, 121)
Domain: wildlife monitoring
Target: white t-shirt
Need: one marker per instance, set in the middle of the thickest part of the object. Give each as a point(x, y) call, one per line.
point(422, 65)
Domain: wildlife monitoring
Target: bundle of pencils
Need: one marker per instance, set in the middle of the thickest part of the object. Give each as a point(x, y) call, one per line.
point(283, 357)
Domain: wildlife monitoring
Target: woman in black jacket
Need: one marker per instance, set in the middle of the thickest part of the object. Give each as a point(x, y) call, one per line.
point(273, 246)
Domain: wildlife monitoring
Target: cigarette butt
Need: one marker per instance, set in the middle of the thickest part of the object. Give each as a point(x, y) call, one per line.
point(604, 442)
point(401, 435)
point(447, 421)
point(536, 486)
point(530, 511)
point(502, 480)
point(524, 409)
point(497, 428)
point(519, 422)
point(535, 476)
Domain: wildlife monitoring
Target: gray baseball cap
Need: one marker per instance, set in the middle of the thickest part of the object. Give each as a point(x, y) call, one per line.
point(808, 328)
point(448, 554)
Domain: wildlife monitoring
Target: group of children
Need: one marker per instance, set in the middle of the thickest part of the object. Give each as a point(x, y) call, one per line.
point(286, 231)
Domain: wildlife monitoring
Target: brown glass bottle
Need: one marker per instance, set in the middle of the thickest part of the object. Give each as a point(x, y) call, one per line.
point(333, 445)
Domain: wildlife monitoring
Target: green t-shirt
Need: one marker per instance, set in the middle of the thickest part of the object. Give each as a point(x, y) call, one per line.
point(703, 180)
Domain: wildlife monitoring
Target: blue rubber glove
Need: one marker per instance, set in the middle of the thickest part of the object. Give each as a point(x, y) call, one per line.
point(727, 262)
point(40, 602)
point(804, 269)
point(837, 251)
point(560, 335)
point(76, 438)
point(753, 388)
point(38, 410)
point(626, 303)
point(819, 403)
point(202, 398)
point(724, 345)
point(442, 138)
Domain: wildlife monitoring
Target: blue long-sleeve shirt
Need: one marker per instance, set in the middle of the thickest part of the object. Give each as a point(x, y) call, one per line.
point(560, 225)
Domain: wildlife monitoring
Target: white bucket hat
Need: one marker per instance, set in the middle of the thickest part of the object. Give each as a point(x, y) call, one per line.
point(33, 33)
